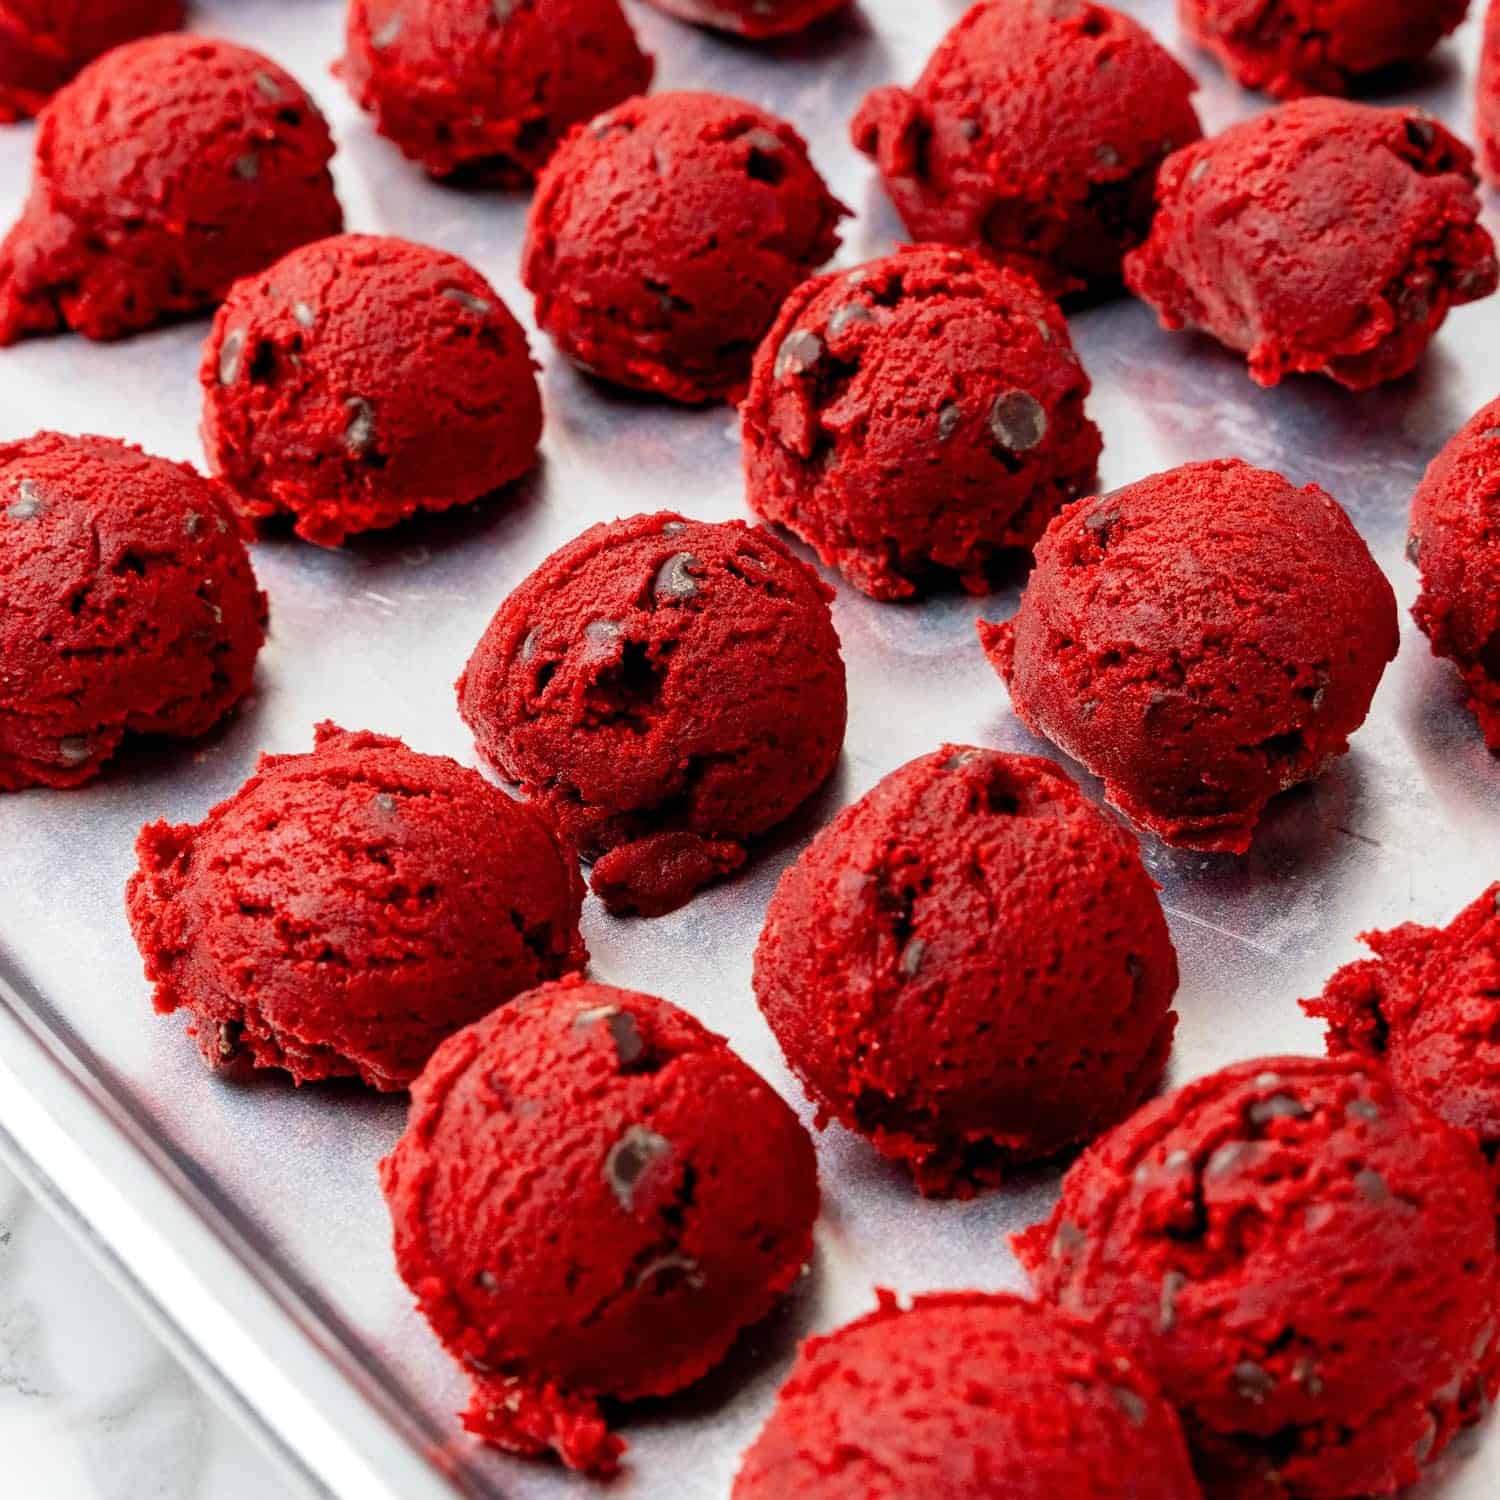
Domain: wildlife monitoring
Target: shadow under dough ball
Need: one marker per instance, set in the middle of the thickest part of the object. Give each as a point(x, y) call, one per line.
point(482, 92)
point(916, 418)
point(971, 968)
point(43, 43)
point(592, 1198)
point(1034, 132)
point(664, 237)
point(1455, 542)
point(1322, 237)
point(163, 173)
point(363, 379)
point(127, 605)
point(1304, 1260)
point(963, 1394)
point(1200, 640)
point(346, 910)
point(668, 690)
point(1295, 47)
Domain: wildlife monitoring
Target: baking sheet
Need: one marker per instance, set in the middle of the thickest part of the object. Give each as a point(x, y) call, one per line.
point(250, 1212)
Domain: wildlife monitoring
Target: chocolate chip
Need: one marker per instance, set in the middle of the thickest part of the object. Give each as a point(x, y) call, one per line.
point(1018, 420)
point(1267, 1080)
point(911, 957)
point(487, 1281)
point(468, 300)
point(267, 85)
point(385, 802)
point(674, 1268)
point(529, 644)
point(764, 140)
point(247, 166)
point(1228, 1159)
point(970, 130)
point(673, 528)
point(961, 758)
point(1414, 548)
point(1362, 1109)
point(1199, 170)
point(1068, 1239)
point(1278, 1107)
point(504, 9)
point(28, 504)
point(1420, 132)
point(601, 634)
point(303, 313)
point(949, 417)
point(389, 32)
point(1372, 1186)
point(1253, 1381)
point(1101, 520)
point(847, 316)
point(1305, 1373)
point(192, 523)
point(227, 1042)
point(674, 579)
point(1171, 1286)
point(359, 435)
point(1106, 156)
point(799, 352)
point(229, 356)
point(1131, 1403)
point(628, 1160)
point(74, 749)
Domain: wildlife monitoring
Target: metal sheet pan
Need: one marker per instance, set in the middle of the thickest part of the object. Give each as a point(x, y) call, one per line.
point(248, 1214)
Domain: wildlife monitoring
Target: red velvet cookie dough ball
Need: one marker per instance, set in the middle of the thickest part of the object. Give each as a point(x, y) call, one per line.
point(1294, 47)
point(1035, 132)
point(666, 234)
point(593, 1197)
point(363, 379)
point(667, 690)
point(1489, 95)
point(127, 605)
point(1200, 640)
point(164, 172)
point(1428, 1007)
point(1322, 237)
point(970, 967)
point(1306, 1262)
point(486, 91)
point(1455, 541)
point(969, 1396)
point(43, 43)
point(754, 19)
point(915, 417)
point(346, 910)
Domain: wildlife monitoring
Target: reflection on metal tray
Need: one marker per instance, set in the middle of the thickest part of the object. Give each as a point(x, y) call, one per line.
point(249, 1213)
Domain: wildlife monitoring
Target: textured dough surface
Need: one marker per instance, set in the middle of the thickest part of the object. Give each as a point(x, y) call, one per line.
point(970, 1396)
point(127, 605)
point(970, 967)
point(665, 235)
point(1321, 237)
point(668, 690)
point(1303, 1258)
point(1035, 132)
point(1201, 640)
point(1455, 541)
point(917, 417)
point(347, 909)
point(43, 43)
point(363, 379)
point(163, 173)
point(592, 1198)
point(484, 92)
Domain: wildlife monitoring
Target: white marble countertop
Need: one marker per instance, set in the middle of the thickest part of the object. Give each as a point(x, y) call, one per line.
point(92, 1406)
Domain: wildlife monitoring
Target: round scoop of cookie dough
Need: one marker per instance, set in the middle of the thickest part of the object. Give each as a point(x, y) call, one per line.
point(127, 605)
point(593, 1197)
point(484, 92)
point(916, 418)
point(756, 20)
point(362, 380)
point(1427, 1005)
point(665, 235)
point(1455, 541)
point(346, 910)
point(971, 1396)
point(971, 968)
point(668, 690)
point(163, 173)
point(1294, 47)
point(1035, 132)
point(43, 43)
point(1201, 640)
point(1322, 237)
point(1306, 1262)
